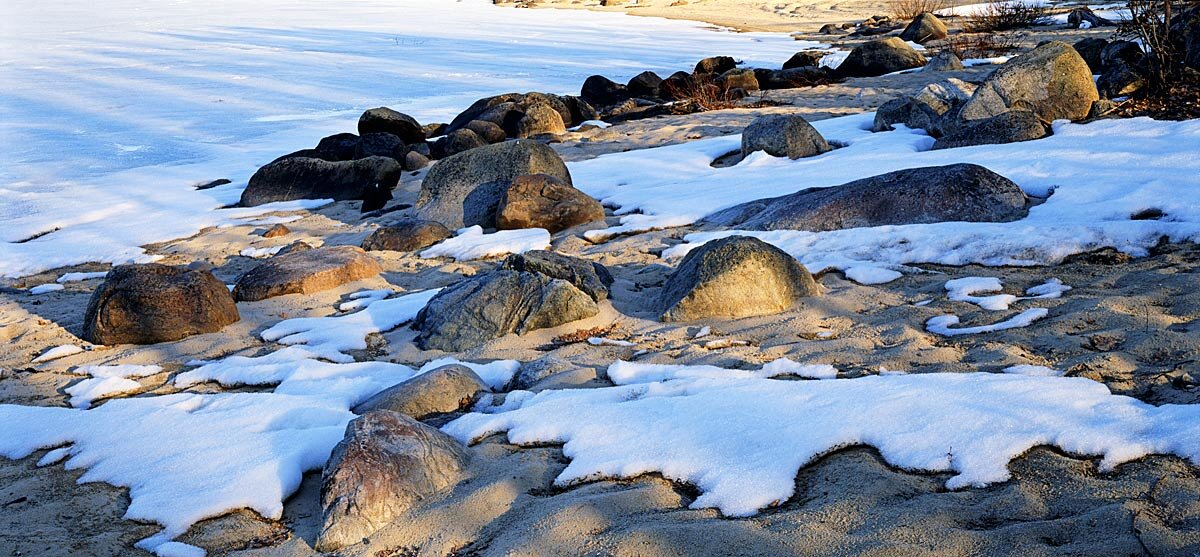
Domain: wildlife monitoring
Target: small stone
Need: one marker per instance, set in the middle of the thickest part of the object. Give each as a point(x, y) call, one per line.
point(406, 235)
point(277, 231)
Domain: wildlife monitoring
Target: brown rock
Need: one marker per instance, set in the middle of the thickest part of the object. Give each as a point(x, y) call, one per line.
point(406, 235)
point(145, 304)
point(540, 119)
point(385, 465)
point(277, 231)
point(305, 272)
point(445, 389)
point(543, 201)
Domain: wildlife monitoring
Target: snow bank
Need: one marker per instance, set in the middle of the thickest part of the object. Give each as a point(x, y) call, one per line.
point(742, 440)
point(184, 92)
point(332, 337)
point(1099, 173)
point(472, 243)
point(104, 381)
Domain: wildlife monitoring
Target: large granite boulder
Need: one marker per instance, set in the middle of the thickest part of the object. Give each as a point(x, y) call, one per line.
point(1008, 127)
point(646, 85)
point(146, 304)
point(924, 28)
point(381, 145)
point(956, 192)
point(738, 276)
point(540, 119)
point(592, 278)
point(406, 235)
point(305, 272)
point(443, 390)
point(543, 201)
point(880, 57)
point(925, 109)
point(488, 131)
point(602, 91)
point(371, 180)
point(386, 120)
point(491, 305)
point(464, 190)
point(1052, 81)
point(386, 464)
point(715, 65)
point(783, 135)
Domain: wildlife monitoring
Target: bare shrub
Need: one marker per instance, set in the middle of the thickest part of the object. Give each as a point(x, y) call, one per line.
point(1001, 15)
point(1160, 26)
point(978, 45)
point(910, 9)
point(698, 94)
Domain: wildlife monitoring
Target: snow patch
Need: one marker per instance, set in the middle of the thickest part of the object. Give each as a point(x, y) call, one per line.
point(471, 243)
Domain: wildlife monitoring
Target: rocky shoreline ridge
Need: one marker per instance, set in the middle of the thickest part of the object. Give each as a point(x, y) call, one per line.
point(562, 292)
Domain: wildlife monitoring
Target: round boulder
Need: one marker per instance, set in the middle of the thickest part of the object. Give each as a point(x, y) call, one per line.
point(738, 276)
point(783, 135)
point(1052, 81)
point(880, 57)
point(924, 28)
point(386, 120)
point(146, 304)
point(543, 201)
point(602, 91)
point(406, 235)
point(439, 391)
point(371, 180)
point(488, 131)
point(540, 119)
point(804, 59)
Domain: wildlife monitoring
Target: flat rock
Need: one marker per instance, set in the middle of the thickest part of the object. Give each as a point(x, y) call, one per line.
point(1008, 127)
point(370, 179)
point(464, 190)
point(738, 276)
point(956, 192)
point(590, 277)
point(406, 235)
point(305, 272)
point(439, 391)
point(1052, 81)
point(491, 305)
point(385, 465)
point(543, 201)
point(147, 304)
point(783, 135)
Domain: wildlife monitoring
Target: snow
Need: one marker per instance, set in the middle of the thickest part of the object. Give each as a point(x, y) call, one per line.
point(964, 290)
point(364, 298)
point(1034, 371)
point(497, 374)
point(178, 549)
point(79, 277)
point(942, 324)
point(261, 253)
point(629, 373)
point(128, 104)
point(332, 337)
point(45, 288)
point(741, 440)
point(471, 243)
point(872, 275)
point(105, 381)
point(1053, 288)
point(57, 352)
point(987, 7)
point(1144, 163)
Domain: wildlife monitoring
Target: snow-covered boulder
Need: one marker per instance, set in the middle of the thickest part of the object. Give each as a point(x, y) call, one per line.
point(924, 28)
point(880, 57)
point(385, 465)
point(956, 192)
point(443, 390)
point(543, 201)
point(1052, 81)
point(305, 272)
point(386, 120)
point(464, 190)
point(1008, 127)
point(738, 276)
point(370, 179)
point(491, 305)
point(406, 235)
point(783, 135)
point(146, 304)
point(592, 278)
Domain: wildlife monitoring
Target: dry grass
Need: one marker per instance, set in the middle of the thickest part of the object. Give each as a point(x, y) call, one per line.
point(906, 10)
point(700, 95)
point(978, 45)
point(1004, 16)
point(615, 330)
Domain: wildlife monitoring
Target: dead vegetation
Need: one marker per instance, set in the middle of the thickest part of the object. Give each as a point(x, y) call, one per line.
point(905, 10)
point(1002, 15)
point(979, 45)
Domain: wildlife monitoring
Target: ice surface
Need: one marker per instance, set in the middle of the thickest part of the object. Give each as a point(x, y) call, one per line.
point(472, 243)
point(1099, 173)
point(125, 105)
point(741, 439)
point(942, 324)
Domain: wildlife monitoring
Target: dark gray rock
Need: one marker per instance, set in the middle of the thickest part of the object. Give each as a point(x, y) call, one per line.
point(406, 235)
point(592, 278)
point(386, 120)
point(792, 78)
point(543, 201)
point(956, 192)
point(380, 145)
point(945, 61)
point(1090, 49)
point(1084, 14)
point(602, 91)
point(338, 147)
point(1121, 52)
point(1009, 127)
point(371, 180)
point(465, 189)
point(1120, 80)
point(147, 304)
point(647, 85)
point(385, 465)
point(443, 390)
point(455, 142)
point(488, 131)
point(805, 58)
point(738, 276)
point(783, 135)
point(880, 57)
point(715, 65)
point(491, 305)
point(925, 109)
